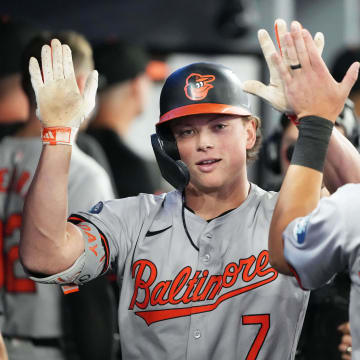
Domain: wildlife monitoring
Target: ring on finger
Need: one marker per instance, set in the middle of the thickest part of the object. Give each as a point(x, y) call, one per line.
point(294, 67)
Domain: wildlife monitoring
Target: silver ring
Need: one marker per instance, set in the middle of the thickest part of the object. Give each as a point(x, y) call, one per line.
point(294, 67)
point(348, 350)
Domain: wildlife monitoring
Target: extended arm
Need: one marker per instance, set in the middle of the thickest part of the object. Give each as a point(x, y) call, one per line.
point(48, 243)
point(311, 91)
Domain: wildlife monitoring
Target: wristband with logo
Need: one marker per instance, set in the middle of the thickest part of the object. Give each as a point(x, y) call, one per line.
point(58, 135)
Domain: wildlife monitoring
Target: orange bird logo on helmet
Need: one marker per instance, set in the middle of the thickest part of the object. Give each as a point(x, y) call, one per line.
point(197, 86)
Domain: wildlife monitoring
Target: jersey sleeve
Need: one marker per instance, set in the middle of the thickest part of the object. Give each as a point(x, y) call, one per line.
point(315, 245)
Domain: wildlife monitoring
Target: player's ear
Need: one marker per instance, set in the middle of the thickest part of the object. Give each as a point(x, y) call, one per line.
point(250, 128)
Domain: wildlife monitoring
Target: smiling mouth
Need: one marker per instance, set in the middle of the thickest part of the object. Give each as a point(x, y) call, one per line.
point(208, 162)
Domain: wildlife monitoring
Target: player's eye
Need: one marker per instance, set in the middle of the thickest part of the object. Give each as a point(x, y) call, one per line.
point(197, 85)
point(184, 133)
point(220, 126)
point(201, 83)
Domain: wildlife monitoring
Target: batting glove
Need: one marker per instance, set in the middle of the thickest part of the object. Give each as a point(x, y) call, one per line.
point(274, 92)
point(60, 106)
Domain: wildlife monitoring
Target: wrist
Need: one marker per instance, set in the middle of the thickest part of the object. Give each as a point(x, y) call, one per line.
point(313, 141)
point(58, 135)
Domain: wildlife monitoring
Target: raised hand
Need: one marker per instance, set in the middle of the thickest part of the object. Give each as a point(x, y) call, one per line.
point(59, 102)
point(274, 92)
point(309, 88)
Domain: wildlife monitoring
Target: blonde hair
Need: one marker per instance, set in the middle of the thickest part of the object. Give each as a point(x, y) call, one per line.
point(252, 154)
point(82, 53)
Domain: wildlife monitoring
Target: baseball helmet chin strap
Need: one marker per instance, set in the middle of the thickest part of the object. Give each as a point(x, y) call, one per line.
point(174, 171)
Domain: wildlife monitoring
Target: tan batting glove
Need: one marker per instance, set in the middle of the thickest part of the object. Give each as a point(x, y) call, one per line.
point(60, 106)
point(274, 92)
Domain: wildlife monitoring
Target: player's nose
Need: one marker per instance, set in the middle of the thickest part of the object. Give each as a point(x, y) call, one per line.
point(205, 141)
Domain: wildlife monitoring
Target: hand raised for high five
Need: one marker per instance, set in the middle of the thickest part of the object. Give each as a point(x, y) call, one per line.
point(309, 87)
point(59, 102)
point(274, 92)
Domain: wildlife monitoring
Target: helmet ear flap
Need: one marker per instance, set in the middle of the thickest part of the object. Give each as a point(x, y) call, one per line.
point(174, 171)
point(168, 141)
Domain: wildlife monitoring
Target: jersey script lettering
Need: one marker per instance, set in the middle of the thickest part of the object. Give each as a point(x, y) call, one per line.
point(198, 288)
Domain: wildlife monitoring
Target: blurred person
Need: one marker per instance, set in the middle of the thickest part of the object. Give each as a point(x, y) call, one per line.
point(40, 322)
point(124, 88)
point(14, 105)
point(279, 146)
point(342, 61)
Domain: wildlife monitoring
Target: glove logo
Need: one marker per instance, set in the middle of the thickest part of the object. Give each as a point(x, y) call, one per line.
point(197, 86)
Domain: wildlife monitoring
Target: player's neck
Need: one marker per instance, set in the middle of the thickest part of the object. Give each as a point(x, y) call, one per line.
point(212, 204)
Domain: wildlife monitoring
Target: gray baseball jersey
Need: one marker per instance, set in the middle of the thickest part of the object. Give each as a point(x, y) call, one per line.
point(325, 242)
point(209, 295)
point(33, 310)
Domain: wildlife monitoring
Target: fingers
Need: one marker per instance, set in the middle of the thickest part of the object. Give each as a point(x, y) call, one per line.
point(291, 51)
point(319, 40)
point(280, 31)
point(267, 46)
point(297, 35)
point(90, 91)
point(344, 328)
point(283, 69)
point(35, 74)
point(350, 78)
point(47, 64)
point(57, 59)
point(68, 63)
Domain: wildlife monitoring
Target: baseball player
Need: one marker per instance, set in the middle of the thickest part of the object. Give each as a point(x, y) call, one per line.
point(196, 282)
point(33, 327)
point(309, 238)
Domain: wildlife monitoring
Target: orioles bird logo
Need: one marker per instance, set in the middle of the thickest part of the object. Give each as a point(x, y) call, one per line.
point(197, 86)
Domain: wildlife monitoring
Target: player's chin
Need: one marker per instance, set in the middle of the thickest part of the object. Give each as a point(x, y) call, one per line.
point(208, 184)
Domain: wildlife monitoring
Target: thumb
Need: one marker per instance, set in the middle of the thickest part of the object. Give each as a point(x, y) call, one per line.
point(90, 91)
point(255, 87)
point(350, 78)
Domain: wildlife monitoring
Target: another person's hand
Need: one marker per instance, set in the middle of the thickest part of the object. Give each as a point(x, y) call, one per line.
point(274, 92)
point(309, 87)
point(345, 346)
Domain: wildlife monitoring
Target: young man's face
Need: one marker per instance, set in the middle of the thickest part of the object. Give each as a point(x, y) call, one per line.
point(214, 149)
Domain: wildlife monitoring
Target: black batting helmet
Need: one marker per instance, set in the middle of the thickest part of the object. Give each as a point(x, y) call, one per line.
point(199, 88)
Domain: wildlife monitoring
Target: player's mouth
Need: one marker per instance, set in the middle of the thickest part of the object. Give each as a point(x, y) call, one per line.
point(207, 165)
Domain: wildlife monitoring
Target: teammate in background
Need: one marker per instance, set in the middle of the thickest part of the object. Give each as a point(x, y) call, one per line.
point(341, 63)
point(123, 92)
point(14, 107)
point(310, 238)
point(33, 327)
point(196, 282)
point(278, 148)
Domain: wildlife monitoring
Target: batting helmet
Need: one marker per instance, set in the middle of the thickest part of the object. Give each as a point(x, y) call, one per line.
point(199, 88)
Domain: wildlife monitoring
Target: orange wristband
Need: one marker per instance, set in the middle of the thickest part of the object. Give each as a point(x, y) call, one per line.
point(58, 135)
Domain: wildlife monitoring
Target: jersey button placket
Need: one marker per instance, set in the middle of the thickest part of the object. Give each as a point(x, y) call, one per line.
point(197, 334)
